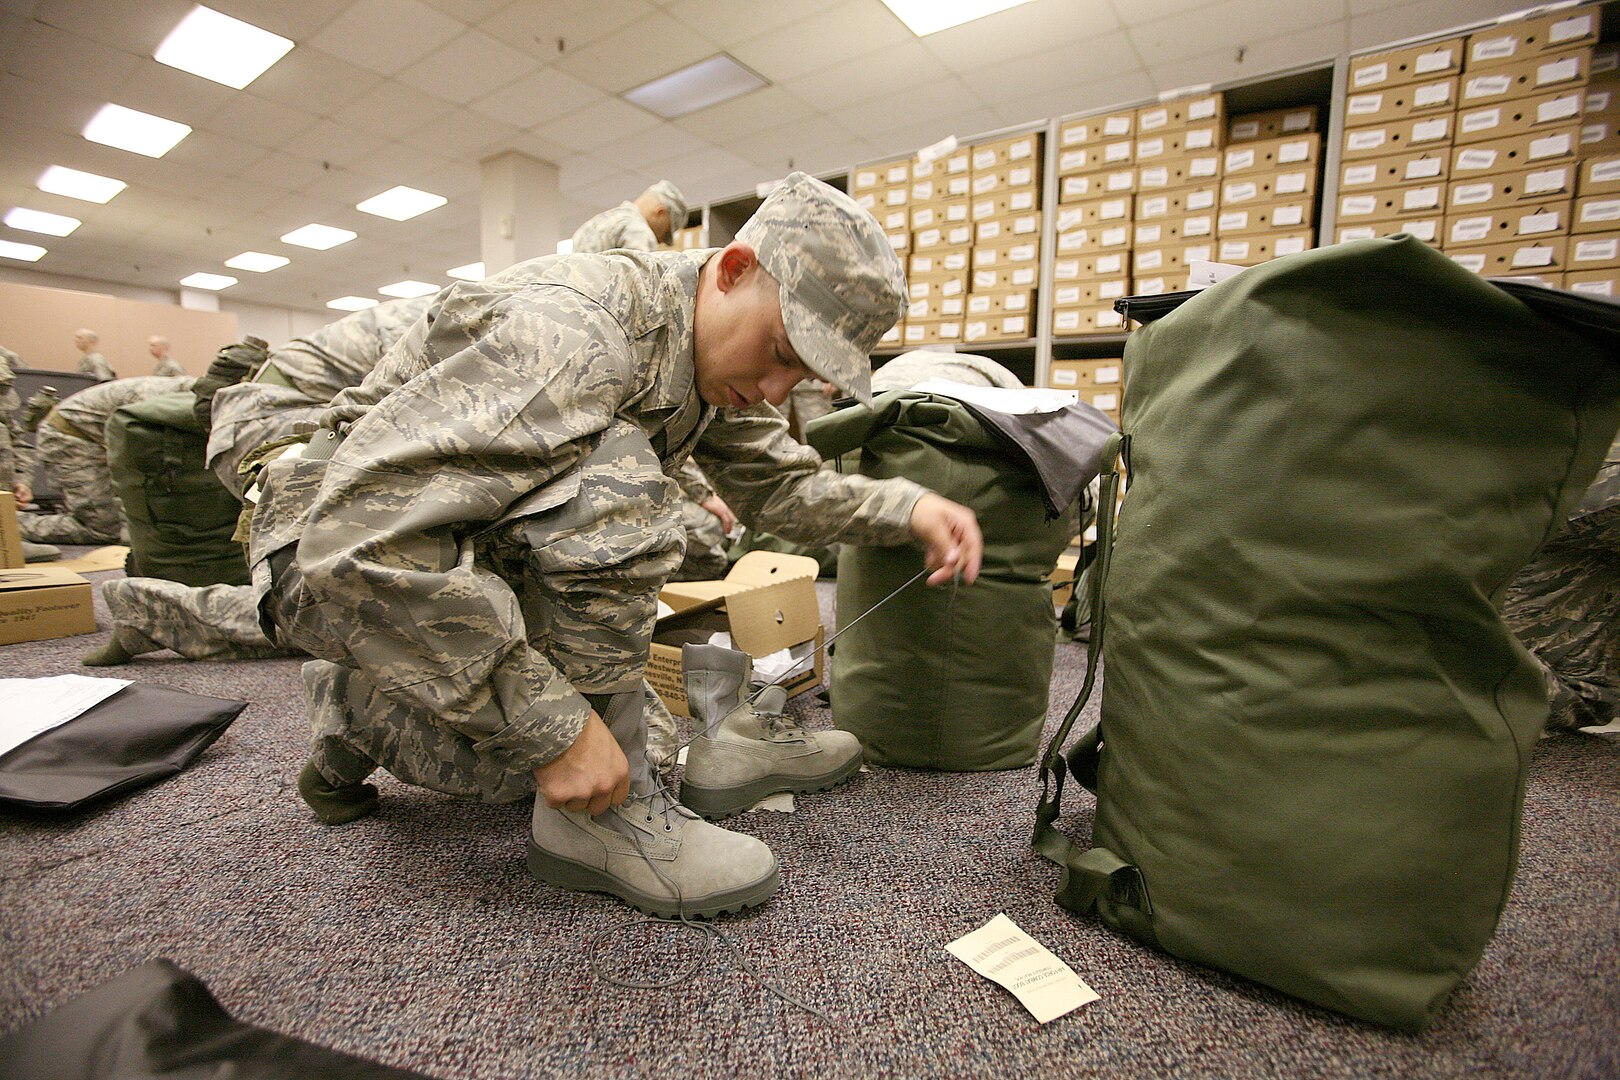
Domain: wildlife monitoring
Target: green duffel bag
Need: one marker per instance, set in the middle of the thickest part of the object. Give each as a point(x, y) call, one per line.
point(180, 516)
point(954, 677)
point(1316, 727)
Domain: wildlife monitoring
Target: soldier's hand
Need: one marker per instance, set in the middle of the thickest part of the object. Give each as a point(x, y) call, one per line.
point(950, 533)
point(590, 775)
point(24, 493)
point(715, 505)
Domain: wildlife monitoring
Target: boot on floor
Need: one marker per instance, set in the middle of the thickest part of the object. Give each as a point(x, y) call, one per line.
point(746, 751)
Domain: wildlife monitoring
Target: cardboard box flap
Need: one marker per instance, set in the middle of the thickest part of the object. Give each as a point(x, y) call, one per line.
point(766, 567)
point(37, 576)
point(771, 617)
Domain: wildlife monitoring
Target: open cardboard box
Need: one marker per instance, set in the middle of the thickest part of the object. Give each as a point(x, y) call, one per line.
point(767, 602)
point(11, 552)
point(42, 601)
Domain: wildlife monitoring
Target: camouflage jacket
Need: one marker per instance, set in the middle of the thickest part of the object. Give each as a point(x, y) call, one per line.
point(498, 393)
point(168, 366)
point(621, 227)
point(93, 363)
point(90, 409)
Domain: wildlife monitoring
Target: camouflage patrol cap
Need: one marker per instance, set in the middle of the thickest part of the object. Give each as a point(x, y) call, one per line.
point(673, 201)
point(842, 286)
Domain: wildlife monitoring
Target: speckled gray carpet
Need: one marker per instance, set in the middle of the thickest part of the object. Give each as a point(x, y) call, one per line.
point(416, 937)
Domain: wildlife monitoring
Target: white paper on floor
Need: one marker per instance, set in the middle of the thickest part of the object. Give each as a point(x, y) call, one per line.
point(30, 707)
point(1004, 954)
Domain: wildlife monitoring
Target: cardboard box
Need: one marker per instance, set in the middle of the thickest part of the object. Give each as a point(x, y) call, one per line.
point(1159, 284)
point(1394, 171)
point(988, 156)
point(900, 242)
point(1112, 211)
point(1001, 230)
point(1181, 112)
point(1509, 225)
point(1270, 155)
point(937, 287)
point(1516, 152)
point(1005, 278)
point(1249, 250)
point(998, 328)
point(1096, 185)
point(1599, 135)
point(1547, 184)
point(1181, 172)
point(940, 188)
point(1398, 136)
point(1594, 251)
point(1074, 322)
point(1183, 142)
point(1106, 373)
point(1431, 230)
point(11, 552)
point(1595, 213)
point(946, 260)
point(881, 175)
point(958, 235)
point(1269, 187)
point(41, 602)
point(1537, 75)
point(1291, 216)
point(1180, 202)
point(937, 215)
point(999, 180)
point(1594, 282)
point(1105, 398)
point(937, 307)
point(1110, 237)
point(1090, 129)
point(1397, 103)
point(1386, 69)
point(1272, 124)
point(1096, 157)
point(1600, 175)
point(1006, 204)
point(1547, 256)
point(1169, 258)
point(1415, 200)
point(1508, 43)
point(1517, 117)
point(1113, 264)
point(1089, 294)
point(987, 256)
point(767, 602)
point(1015, 302)
point(893, 336)
point(932, 331)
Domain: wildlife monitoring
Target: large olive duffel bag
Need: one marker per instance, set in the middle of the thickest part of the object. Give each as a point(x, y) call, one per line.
point(180, 516)
point(1315, 725)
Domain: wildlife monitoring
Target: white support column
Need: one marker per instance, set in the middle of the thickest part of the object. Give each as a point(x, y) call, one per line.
point(519, 209)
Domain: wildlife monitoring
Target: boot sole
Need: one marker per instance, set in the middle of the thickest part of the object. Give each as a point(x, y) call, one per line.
point(717, 803)
point(568, 874)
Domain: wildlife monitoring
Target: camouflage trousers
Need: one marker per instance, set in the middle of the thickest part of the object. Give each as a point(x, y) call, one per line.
point(705, 545)
point(92, 513)
point(1565, 607)
point(216, 622)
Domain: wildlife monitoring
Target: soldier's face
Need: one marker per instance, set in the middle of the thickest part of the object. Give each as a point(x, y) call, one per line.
point(742, 351)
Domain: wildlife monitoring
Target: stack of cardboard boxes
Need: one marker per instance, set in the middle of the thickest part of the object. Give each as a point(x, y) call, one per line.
point(937, 262)
point(1005, 212)
point(1270, 176)
point(687, 239)
point(1099, 382)
point(1178, 177)
point(1595, 217)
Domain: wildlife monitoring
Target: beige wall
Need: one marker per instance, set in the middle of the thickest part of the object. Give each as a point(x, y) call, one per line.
point(38, 324)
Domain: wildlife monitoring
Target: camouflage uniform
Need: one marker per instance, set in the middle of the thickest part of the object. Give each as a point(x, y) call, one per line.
point(72, 444)
point(215, 622)
point(1565, 607)
point(487, 541)
point(10, 406)
point(168, 366)
point(93, 363)
point(621, 227)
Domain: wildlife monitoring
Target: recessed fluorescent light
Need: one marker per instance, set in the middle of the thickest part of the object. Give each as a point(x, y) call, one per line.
point(319, 237)
point(79, 185)
point(707, 82)
point(401, 203)
point(25, 252)
point(352, 303)
point(470, 272)
point(930, 16)
point(211, 282)
point(407, 289)
point(39, 221)
point(137, 132)
point(221, 48)
point(256, 261)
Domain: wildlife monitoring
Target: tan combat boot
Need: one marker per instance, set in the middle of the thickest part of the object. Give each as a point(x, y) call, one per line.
point(747, 751)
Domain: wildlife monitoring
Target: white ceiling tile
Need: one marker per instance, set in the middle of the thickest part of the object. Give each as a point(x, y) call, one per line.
point(332, 142)
point(58, 108)
point(1421, 18)
point(1229, 24)
point(259, 121)
point(1318, 44)
point(391, 110)
point(208, 154)
point(689, 173)
point(582, 170)
point(904, 66)
point(774, 148)
point(395, 163)
point(537, 147)
point(1051, 70)
point(766, 108)
point(1019, 30)
point(938, 100)
point(135, 29)
point(386, 35)
point(822, 40)
point(453, 179)
point(727, 22)
point(462, 134)
point(37, 56)
point(468, 68)
point(534, 99)
point(654, 46)
point(1131, 87)
point(314, 82)
point(536, 27)
point(908, 140)
point(1144, 11)
point(470, 11)
point(647, 148)
point(603, 122)
point(299, 20)
point(287, 171)
point(172, 94)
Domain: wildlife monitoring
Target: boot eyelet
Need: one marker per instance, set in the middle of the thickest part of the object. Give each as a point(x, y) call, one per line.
point(668, 827)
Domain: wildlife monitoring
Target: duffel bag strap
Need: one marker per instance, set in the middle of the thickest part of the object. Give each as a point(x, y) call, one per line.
point(1096, 874)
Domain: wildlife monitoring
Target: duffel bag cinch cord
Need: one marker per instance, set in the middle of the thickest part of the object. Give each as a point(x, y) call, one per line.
point(1087, 874)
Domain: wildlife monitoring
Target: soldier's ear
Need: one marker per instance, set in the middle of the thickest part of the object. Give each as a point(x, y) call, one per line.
point(737, 260)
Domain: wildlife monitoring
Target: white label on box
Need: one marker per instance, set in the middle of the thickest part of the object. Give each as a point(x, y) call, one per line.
point(1021, 252)
point(1117, 125)
point(866, 179)
point(1021, 149)
point(955, 260)
point(1555, 71)
point(1297, 121)
point(950, 331)
point(1198, 226)
point(1148, 260)
point(1598, 100)
point(1233, 250)
point(951, 305)
point(918, 290)
point(895, 220)
point(983, 183)
point(989, 230)
point(899, 174)
point(984, 208)
point(1121, 181)
point(1146, 147)
point(1073, 159)
point(916, 334)
point(984, 279)
point(1076, 133)
point(956, 185)
point(1559, 108)
point(922, 264)
point(1290, 152)
point(1370, 139)
point(976, 330)
point(1372, 74)
point(922, 217)
point(1023, 275)
point(1604, 171)
point(922, 191)
point(1438, 60)
point(1066, 269)
point(1429, 130)
point(899, 241)
point(1551, 146)
point(1113, 210)
point(1021, 200)
point(1235, 219)
point(1545, 222)
point(1061, 321)
point(1364, 104)
point(1020, 177)
point(1465, 230)
point(1569, 29)
point(984, 159)
point(1077, 185)
point(1360, 232)
point(1199, 139)
point(1592, 133)
point(951, 287)
point(866, 201)
point(1479, 120)
point(923, 167)
point(1495, 48)
point(1469, 194)
point(896, 197)
point(1110, 290)
point(1157, 206)
point(1246, 129)
point(1108, 318)
point(1069, 219)
point(1117, 236)
point(1201, 253)
point(1476, 159)
point(1423, 230)
point(1435, 94)
point(1596, 250)
point(1423, 168)
point(1533, 256)
point(929, 238)
point(1292, 183)
point(1239, 159)
point(1105, 402)
point(1547, 180)
point(1288, 216)
point(1204, 167)
point(1601, 210)
point(1014, 324)
point(1103, 376)
point(1241, 192)
point(1360, 175)
point(1486, 86)
point(1476, 263)
point(1289, 245)
point(1421, 198)
point(1153, 119)
point(1015, 302)
point(957, 163)
point(1595, 288)
point(918, 309)
point(957, 234)
point(1151, 286)
point(1203, 199)
point(1202, 109)
point(1120, 151)
point(1149, 234)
